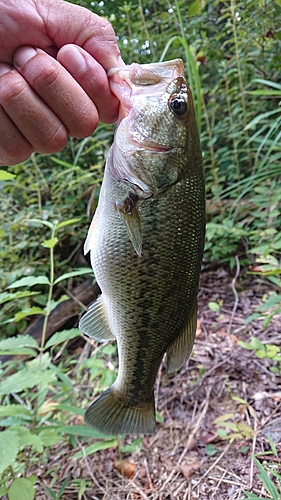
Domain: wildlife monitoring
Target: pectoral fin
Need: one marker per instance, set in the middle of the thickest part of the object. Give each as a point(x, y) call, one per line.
point(180, 350)
point(131, 220)
point(94, 323)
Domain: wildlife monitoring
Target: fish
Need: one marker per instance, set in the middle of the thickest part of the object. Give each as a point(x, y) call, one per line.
point(146, 242)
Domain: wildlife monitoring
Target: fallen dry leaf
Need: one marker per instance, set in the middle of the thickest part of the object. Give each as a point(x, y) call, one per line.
point(126, 468)
point(189, 468)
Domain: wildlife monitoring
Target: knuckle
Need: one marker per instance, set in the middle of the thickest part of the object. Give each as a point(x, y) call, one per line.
point(55, 140)
point(12, 89)
point(47, 77)
point(14, 154)
point(86, 121)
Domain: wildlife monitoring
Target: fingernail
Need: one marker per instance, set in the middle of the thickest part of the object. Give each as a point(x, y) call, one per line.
point(4, 68)
point(23, 55)
point(73, 60)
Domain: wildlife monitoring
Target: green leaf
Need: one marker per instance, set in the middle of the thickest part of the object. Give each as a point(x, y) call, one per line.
point(21, 489)
point(28, 312)
point(269, 485)
point(6, 297)
point(194, 8)
point(9, 448)
point(67, 222)
point(26, 379)
point(3, 491)
point(26, 438)
point(210, 450)
point(100, 445)
point(133, 447)
point(50, 243)
point(71, 409)
point(246, 345)
point(19, 341)
point(81, 430)
point(6, 176)
point(214, 306)
point(76, 272)
point(159, 418)
point(49, 437)
point(12, 410)
point(60, 337)
point(43, 222)
point(30, 281)
point(256, 343)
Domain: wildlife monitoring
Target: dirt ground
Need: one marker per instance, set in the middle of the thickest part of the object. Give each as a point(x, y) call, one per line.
point(190, 456)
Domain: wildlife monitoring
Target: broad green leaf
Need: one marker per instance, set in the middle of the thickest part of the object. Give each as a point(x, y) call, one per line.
point(76, 272)
point(100, 445)
point(21, 489)
point(28, 312)
point(50, 437)
point(30, 281)
point(210, 450)
point(256, 343)
point(9, 447)
point(50, 243)
point(194, 8)
point(60, 337)
point(26, 379)
point(43, 222)
point(6, 176)
point(26, 438)
point(19, 341)
point(214, 306)
point(246, 345)
point(3, 491)
point(67, 222)
point(6, 296)
point(12, 410)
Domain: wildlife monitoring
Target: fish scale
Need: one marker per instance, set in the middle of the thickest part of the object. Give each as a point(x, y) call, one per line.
point(146, 244)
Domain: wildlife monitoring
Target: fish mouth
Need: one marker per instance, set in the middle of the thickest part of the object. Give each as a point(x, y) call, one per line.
point(150, 146)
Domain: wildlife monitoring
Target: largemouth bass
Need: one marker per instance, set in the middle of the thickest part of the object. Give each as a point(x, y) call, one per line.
point(146, 241)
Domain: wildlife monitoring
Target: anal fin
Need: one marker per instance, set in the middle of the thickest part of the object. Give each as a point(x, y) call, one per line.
point(180, 350)
point(94, 323)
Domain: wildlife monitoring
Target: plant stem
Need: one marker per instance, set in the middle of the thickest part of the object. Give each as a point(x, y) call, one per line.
point(50, 294)
point(240, 79)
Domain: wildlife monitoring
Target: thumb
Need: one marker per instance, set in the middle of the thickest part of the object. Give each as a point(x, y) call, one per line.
point(67, 23)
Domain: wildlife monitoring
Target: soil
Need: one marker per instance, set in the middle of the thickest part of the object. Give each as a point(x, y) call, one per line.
point(191, 455)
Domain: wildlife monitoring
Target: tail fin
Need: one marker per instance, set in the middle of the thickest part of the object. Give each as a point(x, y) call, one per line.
point(110, 415)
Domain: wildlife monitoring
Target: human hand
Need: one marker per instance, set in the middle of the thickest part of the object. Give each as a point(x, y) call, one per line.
point(53, 83)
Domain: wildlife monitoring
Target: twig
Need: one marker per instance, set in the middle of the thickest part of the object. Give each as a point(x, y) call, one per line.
point(233, 283)
point(213, 465)
point(89, 468)
point(148, 475)
point(206, 374)
point(253, 451)
point(218, 484)
point(188, 442)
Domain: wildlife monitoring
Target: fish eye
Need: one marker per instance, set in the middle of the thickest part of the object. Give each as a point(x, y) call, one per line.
point(178, 105)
